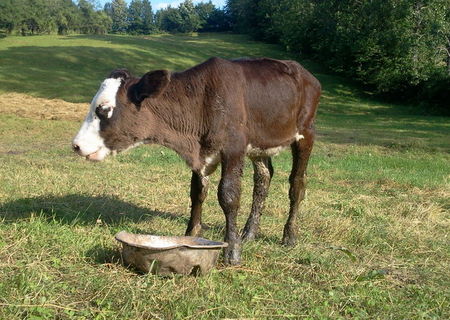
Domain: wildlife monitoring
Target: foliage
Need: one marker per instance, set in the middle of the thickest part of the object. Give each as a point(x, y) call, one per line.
point(188, 18)
point(218, 21)
point(31, 17)
point(47, 16)
point(147, 17)
point(119, 16)
point(400, 48)
point(182, 19)
point(92, 21)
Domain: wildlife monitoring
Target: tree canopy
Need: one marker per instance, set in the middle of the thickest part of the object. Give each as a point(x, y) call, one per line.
point(399, 48)
point(31, 17)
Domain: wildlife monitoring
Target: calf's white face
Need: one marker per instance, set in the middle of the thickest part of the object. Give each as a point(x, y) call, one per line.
point(116, 121)
point(88, 142)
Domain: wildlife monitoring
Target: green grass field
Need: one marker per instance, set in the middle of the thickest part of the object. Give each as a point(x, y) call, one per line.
point(374, 240)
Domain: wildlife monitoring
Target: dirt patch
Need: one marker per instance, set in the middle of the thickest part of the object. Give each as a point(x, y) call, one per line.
point(27, 106)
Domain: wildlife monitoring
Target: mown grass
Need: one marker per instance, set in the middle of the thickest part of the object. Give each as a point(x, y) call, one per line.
point(374, 228)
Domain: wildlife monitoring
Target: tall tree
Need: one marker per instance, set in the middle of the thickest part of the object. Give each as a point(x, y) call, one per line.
point(140, 17)
point(204, 11)
point(135, 17)
point(190, 18)
point(93, 21)
point(8, 16)
point(183, 19)
point(107, 8)
point(212, 18)
point(65, 15)
point(119, 16)
point(148, 18)
point(169, 19)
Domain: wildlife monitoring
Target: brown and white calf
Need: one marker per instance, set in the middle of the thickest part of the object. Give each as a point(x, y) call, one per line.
point(216, 112)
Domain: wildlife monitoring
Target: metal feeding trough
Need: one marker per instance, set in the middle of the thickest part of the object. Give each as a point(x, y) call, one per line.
point(167, 255)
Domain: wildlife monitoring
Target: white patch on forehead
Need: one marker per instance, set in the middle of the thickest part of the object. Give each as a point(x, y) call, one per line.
point(299, 136)
point(106, 95)
point(88, 139)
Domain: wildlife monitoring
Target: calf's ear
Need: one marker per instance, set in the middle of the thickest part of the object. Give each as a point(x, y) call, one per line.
point(151, 85)
point(120, 73)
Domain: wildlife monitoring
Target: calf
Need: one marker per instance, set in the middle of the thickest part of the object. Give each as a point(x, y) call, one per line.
point(216, 112)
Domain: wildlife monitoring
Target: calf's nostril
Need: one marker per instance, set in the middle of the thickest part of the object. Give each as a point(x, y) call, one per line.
point(75, 147)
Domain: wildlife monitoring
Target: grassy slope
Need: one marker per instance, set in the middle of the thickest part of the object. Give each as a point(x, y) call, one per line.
point(378, 187)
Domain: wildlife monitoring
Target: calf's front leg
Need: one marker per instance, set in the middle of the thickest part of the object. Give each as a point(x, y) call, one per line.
point(199, 191)
point(229, 194)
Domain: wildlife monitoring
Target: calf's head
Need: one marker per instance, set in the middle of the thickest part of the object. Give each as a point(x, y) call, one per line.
point(118, 117)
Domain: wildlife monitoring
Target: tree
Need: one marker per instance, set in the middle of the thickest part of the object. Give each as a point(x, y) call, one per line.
point(183, 19)
point(65, 15)
point(212, 18)
point(169, 19)
point(190, 18)
point(107, 8)
point(140, 17)
point(204, 11)
point(135, 17)
point(148, 23)
point(119, 16)
point(92, 21)
point(7, 16)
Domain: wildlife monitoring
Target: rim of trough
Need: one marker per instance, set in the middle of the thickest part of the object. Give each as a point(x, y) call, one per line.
point(202, 242)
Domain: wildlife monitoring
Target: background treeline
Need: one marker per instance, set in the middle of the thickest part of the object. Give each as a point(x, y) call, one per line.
point(398, 48)
point(31, 17)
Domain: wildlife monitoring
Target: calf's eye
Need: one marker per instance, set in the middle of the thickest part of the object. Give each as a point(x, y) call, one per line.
point(102, 111)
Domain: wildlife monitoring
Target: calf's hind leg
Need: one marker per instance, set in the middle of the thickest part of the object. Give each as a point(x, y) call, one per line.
point(262, 175)
point(301, 150)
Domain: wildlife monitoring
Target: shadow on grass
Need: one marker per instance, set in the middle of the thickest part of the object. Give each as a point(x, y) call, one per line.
point(73, 73)
point(201, 46)
point(83, 210)
point(69, 73)
point(101, 255)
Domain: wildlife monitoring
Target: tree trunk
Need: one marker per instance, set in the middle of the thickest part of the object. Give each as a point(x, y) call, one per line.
point(448, 55)
point(448, 61)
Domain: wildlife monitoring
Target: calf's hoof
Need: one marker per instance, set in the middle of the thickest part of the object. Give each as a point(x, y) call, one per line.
point(289, 239)
point(195, 231)
point(289, 236)
point(248, 236)
point(289, 242)
point(232, 257)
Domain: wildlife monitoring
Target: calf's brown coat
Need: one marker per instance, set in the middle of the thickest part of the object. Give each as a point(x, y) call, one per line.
point(219, 112)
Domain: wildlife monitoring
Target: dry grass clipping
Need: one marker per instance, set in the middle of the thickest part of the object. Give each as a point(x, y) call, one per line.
point(27, 106)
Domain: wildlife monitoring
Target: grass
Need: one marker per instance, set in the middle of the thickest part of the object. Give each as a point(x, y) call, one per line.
point(374, 228)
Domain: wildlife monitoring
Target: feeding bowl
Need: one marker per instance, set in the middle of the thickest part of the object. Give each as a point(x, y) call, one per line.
point(167, 255)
